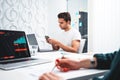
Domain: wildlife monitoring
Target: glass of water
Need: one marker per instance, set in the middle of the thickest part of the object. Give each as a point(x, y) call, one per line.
point(33, 49)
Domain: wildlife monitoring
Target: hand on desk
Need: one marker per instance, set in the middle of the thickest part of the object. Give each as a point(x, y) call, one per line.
point(64, 65)
point(50, 76)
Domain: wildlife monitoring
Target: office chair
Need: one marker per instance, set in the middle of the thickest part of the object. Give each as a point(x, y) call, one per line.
point(82, 44)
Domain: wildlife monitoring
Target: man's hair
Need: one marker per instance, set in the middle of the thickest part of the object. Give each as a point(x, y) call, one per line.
point(65, 15)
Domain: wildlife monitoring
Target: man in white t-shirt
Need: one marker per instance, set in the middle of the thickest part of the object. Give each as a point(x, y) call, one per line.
point(70, 39)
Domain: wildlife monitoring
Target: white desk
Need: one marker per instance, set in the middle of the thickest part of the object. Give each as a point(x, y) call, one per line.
point(33, 72)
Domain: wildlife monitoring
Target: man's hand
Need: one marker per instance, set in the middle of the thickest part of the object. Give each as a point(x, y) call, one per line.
point(53, 41)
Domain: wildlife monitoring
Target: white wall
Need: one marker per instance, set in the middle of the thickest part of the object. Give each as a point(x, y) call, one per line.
point(104, 25)
point(27, 15)
point(74, 6)
point(54, 8)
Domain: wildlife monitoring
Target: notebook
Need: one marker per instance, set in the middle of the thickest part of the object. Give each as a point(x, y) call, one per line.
point(14, 51)
point(33, 41)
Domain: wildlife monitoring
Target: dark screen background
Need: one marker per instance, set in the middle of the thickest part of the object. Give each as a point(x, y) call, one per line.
point(13, 45)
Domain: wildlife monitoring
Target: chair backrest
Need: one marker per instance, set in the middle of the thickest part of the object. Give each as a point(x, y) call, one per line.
point(82, 44)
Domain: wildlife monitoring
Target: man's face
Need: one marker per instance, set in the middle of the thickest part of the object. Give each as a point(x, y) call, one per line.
point(63, 24)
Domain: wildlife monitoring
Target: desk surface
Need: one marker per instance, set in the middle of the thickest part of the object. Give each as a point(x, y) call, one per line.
point(33, 72)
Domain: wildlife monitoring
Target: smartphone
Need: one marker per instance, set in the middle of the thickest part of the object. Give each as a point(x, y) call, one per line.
point(46, 37)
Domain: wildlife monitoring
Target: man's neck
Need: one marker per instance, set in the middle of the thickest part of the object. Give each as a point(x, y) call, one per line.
point(68, 28)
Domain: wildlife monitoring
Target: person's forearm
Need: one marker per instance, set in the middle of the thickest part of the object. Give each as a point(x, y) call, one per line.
point(67, 48)
point(86, 63)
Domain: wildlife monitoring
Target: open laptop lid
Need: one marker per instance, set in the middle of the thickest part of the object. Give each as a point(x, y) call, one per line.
point(33, 41)
point(13, 45)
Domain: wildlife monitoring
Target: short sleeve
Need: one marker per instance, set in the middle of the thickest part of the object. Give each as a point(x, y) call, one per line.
point(77, 35)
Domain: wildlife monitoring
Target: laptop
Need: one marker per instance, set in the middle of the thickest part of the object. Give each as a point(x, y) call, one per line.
point(33, 41)
point(14, 51)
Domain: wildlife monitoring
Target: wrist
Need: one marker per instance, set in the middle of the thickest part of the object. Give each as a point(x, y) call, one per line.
point(87, 63)
point(81, 64)
point(93, 63)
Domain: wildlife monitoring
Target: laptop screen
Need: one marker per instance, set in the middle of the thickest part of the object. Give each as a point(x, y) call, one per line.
point(13, 45)
point(32, 39)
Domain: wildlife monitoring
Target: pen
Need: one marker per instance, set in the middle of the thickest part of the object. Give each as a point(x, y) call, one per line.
point(57, 61)
point(54, 66)
point(62, 55)
point(64, 69)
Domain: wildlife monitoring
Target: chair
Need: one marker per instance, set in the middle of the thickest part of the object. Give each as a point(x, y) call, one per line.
point(82, 44)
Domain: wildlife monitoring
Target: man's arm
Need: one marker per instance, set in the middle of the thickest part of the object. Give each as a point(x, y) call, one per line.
point(73, 48)
point(75, 44)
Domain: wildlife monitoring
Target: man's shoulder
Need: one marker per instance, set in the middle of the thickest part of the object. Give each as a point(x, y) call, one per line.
point(74, 30)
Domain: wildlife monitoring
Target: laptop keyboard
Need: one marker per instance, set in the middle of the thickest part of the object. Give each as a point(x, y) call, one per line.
point(14, 61)
point(18, 64)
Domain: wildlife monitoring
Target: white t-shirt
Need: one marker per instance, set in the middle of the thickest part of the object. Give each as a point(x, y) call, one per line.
point(66, 37)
